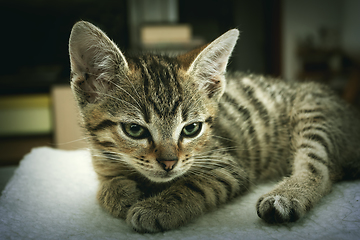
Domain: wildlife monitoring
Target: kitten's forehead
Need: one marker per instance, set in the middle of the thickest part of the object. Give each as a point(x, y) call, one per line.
point(162, 89)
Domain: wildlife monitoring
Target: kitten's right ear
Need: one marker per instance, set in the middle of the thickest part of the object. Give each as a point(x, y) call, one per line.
point(95, 61)
point(208, 64)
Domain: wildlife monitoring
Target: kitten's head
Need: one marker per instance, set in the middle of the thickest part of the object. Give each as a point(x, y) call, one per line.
point(151, 113)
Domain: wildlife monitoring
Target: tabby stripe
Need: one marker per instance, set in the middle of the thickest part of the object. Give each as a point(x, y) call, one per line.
point(226, 132)
point(147, 78)
point(214, 191)
point(243, 111)
point(312, 169)
point(273, 143)
point(145, 110)
point(104, 124)
point(259, 106)
point(304, 145)
point(317, 158)
point(221, 165)
point(227, 186)
point(276, 137)
point(176, 106)
point(318, 118)
point(257, 160)
point(217, 193)
point(111, 156)
point(251, 131)
point(106, 144)
point(292, 99)
point(146, 82)
point(310, 110)
point(319, 139)
point(192, 186)
point(254, 149)
point(246, 153)
point(255, 143)
point(268, 160)
point(307, 128)
point(178, 196)
point(306, 119)
point(314, 95)
point(210, 122)
point(154, 81)
point(157, 110)
point(233, 151)
point(264, 115)
point(321, 129)
point(146, 114)
point(267, 139)
point(243, 180)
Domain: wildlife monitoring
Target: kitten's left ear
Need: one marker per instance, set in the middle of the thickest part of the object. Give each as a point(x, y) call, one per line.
point(210, 64)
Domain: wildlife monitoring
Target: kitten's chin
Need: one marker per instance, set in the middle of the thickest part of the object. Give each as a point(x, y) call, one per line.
point(162, 177)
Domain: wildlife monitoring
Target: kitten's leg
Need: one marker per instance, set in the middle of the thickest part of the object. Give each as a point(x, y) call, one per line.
point(186, 199)
point(314, 161)
point(117, 195)
point(295, 195)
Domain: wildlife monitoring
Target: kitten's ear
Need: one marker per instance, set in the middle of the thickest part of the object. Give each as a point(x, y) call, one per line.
point(95, 60)
point(209, 66)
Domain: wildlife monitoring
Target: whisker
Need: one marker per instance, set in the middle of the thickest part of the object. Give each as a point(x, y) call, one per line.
point(217, 150)
point(227, 139)
point(74, 141)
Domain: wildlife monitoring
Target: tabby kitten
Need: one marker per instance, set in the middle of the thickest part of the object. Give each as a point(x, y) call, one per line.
point(173, 137)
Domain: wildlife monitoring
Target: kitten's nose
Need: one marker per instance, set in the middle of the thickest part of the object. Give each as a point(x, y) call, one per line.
point(167, 165)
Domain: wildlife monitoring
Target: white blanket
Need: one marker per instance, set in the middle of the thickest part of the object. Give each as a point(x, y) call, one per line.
point(52, 196)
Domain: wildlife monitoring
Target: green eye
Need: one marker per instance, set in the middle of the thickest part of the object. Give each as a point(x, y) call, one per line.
point(192, 129)
point(135, 131)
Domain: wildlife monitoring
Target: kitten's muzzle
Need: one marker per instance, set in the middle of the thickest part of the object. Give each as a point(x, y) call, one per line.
point(167, 164)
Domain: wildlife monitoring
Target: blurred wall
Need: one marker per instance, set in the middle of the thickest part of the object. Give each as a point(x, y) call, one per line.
point(302, 21)
point(351, 27)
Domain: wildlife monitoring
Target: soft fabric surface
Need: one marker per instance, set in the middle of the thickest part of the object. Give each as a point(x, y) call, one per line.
point(52, 196)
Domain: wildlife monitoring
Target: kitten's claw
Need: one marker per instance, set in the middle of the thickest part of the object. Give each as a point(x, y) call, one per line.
point(278, 209)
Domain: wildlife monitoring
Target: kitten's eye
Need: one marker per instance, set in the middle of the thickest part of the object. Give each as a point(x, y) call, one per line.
point(192, 129)
point(135, 131)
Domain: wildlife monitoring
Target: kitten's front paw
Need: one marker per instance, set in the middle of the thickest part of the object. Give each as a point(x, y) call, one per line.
point(152, 215)
point(118, 195)
point(278, 209)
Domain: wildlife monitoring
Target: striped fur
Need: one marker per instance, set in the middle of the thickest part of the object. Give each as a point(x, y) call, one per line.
point(205, 137)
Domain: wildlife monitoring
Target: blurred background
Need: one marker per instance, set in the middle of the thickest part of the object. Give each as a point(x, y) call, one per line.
point(318, 40)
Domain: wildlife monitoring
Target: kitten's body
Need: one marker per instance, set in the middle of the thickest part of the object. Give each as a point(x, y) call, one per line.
point(172, 137)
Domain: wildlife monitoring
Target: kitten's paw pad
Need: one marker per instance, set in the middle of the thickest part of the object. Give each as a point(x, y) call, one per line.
point(152, 216)
point(278, 209)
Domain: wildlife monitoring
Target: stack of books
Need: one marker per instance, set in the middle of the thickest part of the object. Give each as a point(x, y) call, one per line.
point(168, 37)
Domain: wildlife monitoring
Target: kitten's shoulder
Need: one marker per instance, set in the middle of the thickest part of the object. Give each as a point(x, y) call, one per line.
point(243, 78)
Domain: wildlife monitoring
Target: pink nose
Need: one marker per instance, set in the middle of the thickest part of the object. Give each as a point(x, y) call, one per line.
point(167, 165)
